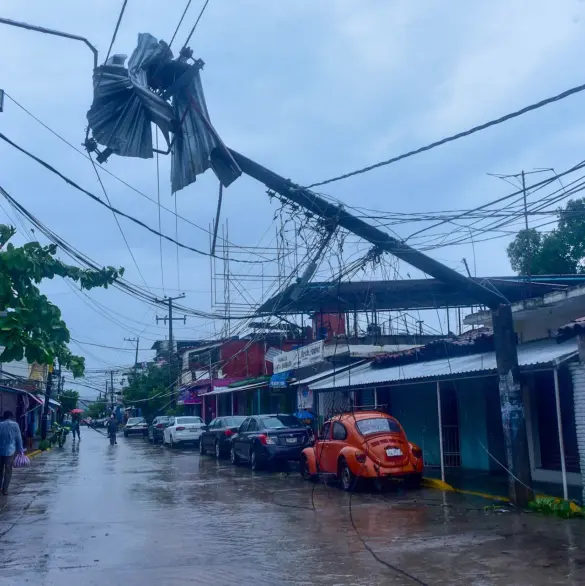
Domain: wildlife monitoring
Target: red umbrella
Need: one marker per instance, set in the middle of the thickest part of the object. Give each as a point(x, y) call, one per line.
point(76, 411)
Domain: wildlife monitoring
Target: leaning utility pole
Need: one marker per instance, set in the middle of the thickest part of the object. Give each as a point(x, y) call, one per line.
point(48, 390)
point(520, 480)
point(137, 340)
point(170, 319)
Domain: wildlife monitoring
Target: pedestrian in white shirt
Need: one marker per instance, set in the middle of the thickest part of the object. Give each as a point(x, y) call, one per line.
point(10, 443)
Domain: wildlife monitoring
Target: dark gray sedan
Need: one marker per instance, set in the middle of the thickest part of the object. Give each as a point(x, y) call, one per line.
point(157, 428)
point(216, 440)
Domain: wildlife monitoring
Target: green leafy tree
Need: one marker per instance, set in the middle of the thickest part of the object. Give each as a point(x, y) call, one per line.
point(561, 251)
point(149, 390)
point(96, 410)
point(68, 400)
point(30, 325)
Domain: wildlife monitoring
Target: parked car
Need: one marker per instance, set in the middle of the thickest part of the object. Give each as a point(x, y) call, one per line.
point(183, 430)
point(157, 428)
point(136, 426)
point(262, 439)
point(217, 438)
point(363, 444)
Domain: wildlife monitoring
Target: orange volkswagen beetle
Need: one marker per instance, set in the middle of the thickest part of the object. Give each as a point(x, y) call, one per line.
point(362, 444)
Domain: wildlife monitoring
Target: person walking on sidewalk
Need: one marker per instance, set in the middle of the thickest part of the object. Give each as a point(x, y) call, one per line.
point(75, 425)
point(10, 443)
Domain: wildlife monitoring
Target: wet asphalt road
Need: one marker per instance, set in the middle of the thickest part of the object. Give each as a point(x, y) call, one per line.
point(136, 514)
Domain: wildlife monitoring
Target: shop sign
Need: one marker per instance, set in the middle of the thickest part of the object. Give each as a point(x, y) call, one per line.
point(189, 397)
point(305, 398)
point(300, 357)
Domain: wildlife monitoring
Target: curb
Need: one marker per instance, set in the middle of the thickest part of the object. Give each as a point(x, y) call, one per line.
point(35, 453)
point(440, 485)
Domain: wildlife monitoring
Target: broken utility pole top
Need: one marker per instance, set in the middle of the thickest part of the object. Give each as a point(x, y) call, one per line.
point(157, 88)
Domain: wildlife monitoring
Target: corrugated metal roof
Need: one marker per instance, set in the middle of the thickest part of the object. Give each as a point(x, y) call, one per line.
point(366, 350)
point(534, 353)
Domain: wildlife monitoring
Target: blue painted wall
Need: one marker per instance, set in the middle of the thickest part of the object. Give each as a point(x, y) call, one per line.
point(415, 406)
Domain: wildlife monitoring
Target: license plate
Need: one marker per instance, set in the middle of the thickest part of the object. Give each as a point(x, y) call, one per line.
point(291, 440)
point(393, 452)
point(193, 430)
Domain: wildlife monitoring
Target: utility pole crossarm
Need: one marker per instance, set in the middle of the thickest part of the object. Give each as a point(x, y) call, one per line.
point(321, 207)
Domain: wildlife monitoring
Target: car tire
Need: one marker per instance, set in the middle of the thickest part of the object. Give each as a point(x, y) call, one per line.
point(255, 462)
point(413, 481)
point(125, 434)
point(346, 477)
point(202, 450)
point(217, 450)
point(235, 459)
point(305, 472)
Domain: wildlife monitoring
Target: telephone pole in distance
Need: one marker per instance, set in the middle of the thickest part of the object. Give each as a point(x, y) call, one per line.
point(137, 340)
point(169, 301)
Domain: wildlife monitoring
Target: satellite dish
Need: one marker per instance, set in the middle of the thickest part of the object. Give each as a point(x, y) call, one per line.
point(156, 88)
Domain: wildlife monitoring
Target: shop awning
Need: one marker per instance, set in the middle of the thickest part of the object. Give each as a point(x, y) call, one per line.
point(222, 390)
point(531, 356)
point(323, 375)
point(38, 399)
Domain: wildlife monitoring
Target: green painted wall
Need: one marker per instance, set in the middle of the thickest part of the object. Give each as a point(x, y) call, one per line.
point(415, 406)
point(472, 424)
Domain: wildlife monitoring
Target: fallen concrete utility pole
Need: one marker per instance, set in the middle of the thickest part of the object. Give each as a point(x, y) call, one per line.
point(514, 425)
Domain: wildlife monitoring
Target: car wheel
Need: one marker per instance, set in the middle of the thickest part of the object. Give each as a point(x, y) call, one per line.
point(125, 434)
point(217, 450)
point(202, 451)
point(305, 471)
point(234, 457)
point(255, 461)
point(346, 477)
point(413, 481)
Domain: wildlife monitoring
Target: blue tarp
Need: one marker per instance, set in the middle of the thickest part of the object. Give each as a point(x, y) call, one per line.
point(304, 414)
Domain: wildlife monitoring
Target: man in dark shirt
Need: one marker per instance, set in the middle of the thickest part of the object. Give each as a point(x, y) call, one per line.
point(112, 428)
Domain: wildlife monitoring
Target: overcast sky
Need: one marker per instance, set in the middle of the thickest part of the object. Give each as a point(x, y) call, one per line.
point(309, 89)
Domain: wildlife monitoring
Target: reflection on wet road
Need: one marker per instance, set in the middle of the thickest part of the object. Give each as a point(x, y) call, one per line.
point(136, 514)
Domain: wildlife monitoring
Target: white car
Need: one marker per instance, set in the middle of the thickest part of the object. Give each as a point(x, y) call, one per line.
point(136, 425)
point(183, 430)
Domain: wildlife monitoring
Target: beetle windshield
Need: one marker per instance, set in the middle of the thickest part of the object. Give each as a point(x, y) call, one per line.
point(377, 425)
